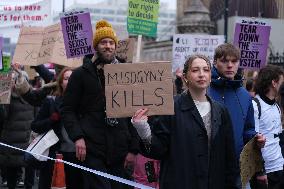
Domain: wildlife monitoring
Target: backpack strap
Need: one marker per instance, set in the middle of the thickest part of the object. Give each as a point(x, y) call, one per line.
point(277, 105)
point(258, 106)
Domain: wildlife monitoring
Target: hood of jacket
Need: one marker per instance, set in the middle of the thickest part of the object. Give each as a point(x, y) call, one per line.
point(221, 82)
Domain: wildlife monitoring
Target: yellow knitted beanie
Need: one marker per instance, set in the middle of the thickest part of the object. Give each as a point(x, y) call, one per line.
point(104, 30)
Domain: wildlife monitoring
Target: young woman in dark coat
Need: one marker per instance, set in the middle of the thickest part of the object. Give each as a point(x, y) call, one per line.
point(196, 144)
point(49, 118)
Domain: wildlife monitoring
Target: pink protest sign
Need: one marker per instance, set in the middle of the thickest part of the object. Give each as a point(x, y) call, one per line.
point(77, 34)
point(252, 37)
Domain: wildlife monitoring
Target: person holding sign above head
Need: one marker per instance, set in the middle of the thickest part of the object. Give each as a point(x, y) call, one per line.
point(196, 144)
point(103, 144)
point(226, 88)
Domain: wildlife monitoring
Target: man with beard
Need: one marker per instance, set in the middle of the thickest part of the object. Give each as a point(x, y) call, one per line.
point(103, 144)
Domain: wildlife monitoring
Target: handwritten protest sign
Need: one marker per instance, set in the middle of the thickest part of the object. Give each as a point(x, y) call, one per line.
point(77, 34)
point(185, 45)
point(142, 17)
point(5, 87)
point(40, 45)
point(133, 86)
point(125, 49)
point(250, 161)
point(252, 38)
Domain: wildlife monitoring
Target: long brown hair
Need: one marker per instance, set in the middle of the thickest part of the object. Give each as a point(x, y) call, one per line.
point(59, 90)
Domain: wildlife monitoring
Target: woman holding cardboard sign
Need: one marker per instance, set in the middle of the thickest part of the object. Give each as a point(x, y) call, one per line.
point(196, 145)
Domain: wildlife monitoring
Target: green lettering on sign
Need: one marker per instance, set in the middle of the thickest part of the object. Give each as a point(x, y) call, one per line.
point(142, 17)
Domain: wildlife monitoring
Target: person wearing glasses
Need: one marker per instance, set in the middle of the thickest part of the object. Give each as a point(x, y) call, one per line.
point(227, 88)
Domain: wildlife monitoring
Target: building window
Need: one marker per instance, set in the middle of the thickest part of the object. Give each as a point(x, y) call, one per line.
point(163, 22)
point(164, 15)
point(109, 19)
point(107, 11)
point(120, 19)
point(121, 12)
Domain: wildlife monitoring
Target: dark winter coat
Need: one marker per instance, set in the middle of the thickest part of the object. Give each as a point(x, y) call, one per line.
point(238, 101)
point(42, 123)
point(36, 97)
point(181, 143)
point(18, 116)
point(84, 117)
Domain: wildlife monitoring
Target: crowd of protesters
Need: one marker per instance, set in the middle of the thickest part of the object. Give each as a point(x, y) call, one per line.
point(196, 148)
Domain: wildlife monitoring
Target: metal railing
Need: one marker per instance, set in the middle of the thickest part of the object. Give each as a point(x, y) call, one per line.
point(276, 59)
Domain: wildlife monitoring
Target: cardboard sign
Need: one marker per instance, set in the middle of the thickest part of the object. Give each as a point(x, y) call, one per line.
point(125, 49)
point(250, 161)
point(28, 47)
point(5, 87)
point(252, 38)
point(185, 45)
point(77, 34)
point(142, 17)
point(130, 87)
point(39, 45)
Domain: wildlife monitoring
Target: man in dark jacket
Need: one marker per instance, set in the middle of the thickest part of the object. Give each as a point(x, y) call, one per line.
point(226, 88)
point(104, 144)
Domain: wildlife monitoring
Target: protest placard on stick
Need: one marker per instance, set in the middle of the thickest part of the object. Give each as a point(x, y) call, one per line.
point(77, 34)
point(125, 49)
point(185, 45)
point(142, 17)
point(252, 37)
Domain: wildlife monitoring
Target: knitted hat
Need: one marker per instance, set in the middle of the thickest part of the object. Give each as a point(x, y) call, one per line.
point(104, 30)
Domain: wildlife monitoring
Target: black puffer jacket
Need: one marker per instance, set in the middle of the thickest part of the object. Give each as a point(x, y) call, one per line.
point(84, 117)
point(17, 117)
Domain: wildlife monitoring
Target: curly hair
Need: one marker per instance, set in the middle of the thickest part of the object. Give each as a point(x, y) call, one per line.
point(191, 58)
point(265, 77)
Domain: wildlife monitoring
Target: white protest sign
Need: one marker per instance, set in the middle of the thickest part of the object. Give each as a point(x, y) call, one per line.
point(185, 45)
point(14, 15)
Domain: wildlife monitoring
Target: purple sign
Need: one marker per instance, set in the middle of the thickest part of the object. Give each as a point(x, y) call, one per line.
point(1, 53)
point(77, 34)
point(252, 39)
